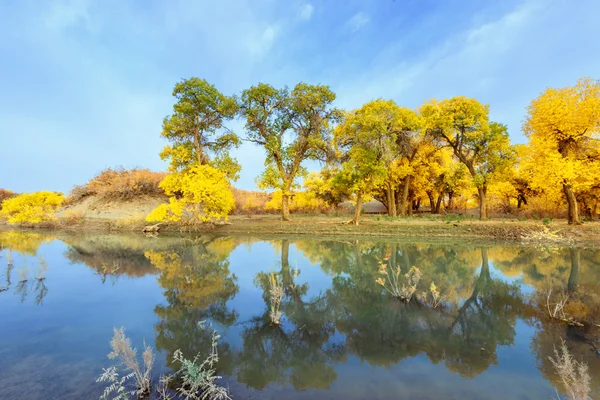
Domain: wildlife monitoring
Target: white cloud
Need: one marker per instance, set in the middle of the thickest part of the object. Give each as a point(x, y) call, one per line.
point(504, 62)
point(358, 20)
point(306, 11)
point(260, 44)
point(468, 61)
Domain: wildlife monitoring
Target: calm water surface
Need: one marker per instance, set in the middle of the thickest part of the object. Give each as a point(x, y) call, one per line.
point(342, 336)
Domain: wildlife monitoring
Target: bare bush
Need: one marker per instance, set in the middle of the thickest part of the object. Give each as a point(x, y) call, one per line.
point(127, 355)
point(556, 307)
point(23, 274)
point(403, 289)
point(198, 376)
point(276, 294)
point(119, 184)
point(433, 297)
point(574, 375)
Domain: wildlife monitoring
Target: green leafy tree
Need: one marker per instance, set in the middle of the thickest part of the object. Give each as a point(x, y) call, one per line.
point(292, 127)
point(369, 141)
point(197, 130)
point(483, 147)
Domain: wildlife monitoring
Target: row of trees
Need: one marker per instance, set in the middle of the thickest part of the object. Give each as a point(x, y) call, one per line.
point(382, 150)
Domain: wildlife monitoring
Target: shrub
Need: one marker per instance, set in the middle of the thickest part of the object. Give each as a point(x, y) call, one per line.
point(574, 375)
point(127, 356)
point(249, 202)
point(73, 217)
point(78, 193)
point(276, 293)
point(199, 195)
point(393, 280)
point(5, 194)
point(198, 378)
point(31, 207)
point(120, 184)
point(301, 202)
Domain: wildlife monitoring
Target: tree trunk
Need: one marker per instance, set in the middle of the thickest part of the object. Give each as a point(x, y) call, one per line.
point(393, 201)
point(438, 204)
point(358, 209)
point(575, 256)
point(572, 204)
point(411, 203)
point(450, 200)
point(404, 199)
point(285, 206)
point(587, 210)
point(431, 201)
point(484, 275)
point(482, 206)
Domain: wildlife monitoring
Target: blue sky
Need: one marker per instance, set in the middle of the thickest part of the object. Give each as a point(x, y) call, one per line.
point(85, 84)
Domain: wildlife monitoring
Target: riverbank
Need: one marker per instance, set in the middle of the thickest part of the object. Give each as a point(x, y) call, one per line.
point(430, 226)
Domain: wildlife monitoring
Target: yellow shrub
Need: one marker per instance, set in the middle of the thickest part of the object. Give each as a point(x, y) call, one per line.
point(308, 201)
point(300, 201)
point(5, 194)
point(31, 207)
point(201, 194)
point(275, 203)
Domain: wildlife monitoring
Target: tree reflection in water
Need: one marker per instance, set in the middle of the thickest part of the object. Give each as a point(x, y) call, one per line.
point(30, 276)
point(197, 285)
point(354, 316)
point(488, 290)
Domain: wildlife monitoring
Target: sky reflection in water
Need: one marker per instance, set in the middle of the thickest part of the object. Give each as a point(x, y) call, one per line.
point(342, 336)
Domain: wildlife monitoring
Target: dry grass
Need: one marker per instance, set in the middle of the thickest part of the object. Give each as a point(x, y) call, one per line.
point(72, 218)
point(119, 184)
point(276, 293)
point(198, 376)
point(249, 202)
point(127, 355)
point(433, 297)
point(395, 285)
point(574, 375)
point(543, 235)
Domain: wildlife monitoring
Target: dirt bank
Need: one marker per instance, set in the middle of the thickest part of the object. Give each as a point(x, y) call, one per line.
point(558, 232)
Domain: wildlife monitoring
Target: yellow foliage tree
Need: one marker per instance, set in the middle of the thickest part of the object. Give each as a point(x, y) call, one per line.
point(200, 194)
point(563, 126)
point(31, 208)
point(323, 185)
point(301, 201)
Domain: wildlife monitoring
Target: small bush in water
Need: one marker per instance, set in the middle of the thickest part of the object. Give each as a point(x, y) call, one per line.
point(198, 376)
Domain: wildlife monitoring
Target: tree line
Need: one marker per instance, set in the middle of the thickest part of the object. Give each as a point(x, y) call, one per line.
point(382, 150)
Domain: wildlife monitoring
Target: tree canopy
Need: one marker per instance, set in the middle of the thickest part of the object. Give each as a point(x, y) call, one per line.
point(292, 126)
